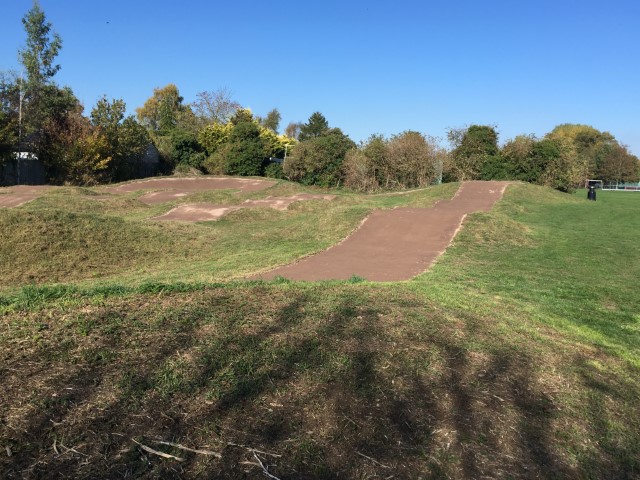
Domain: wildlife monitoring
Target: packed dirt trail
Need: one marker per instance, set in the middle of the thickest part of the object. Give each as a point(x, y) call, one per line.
point(18, 195)
point(175, 188)
point(396, 244)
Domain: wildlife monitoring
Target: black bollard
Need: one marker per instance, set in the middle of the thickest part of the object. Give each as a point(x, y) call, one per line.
point(591, 194)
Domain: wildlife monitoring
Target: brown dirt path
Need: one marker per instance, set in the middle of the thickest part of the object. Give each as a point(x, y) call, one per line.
point(396, 244)
point(18, 195)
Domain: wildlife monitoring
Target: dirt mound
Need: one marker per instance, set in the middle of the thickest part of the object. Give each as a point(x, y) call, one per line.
point(397, 244)
point(203, 212)
point(173, 188)
point(20, 194)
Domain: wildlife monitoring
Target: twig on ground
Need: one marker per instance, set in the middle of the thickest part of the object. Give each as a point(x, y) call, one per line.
point(55, 446)
point(373, 460)
point(182, 447)
point(73, 450)
point(251, 449)
point(156, 452)
point(264, 469)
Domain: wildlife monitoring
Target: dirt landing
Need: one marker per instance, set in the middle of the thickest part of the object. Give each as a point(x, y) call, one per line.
point(197, 212)
point(174, 188)
point(282, 203)
point(204, 212)
point(20, 194)
point(397, 244)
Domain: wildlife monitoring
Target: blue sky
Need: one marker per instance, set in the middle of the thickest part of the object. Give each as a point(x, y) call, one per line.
point(369, 67)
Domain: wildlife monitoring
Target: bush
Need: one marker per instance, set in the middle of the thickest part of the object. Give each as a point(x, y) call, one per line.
point(318, 161)
point(407, 160)
point(360, 172)
point(274, 170)
point(186, 149)
point(216, 164)
point(245, 154)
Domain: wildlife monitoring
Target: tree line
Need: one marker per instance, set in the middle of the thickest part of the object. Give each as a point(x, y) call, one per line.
point(215, 134)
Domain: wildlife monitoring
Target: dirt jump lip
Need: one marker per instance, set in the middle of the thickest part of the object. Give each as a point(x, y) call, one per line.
point(396, 244)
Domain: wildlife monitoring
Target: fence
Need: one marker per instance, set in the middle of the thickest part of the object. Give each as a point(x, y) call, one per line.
point(22, 170)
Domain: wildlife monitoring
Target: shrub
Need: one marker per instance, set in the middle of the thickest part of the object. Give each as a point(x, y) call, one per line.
point(273, 170)
point(318, 160)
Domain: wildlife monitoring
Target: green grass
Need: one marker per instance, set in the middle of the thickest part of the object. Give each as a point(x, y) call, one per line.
point(515, 356)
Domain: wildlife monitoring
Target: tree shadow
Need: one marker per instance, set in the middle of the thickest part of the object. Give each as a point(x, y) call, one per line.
point(350, 387)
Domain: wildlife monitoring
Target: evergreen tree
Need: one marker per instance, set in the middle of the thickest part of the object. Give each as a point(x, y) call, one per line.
point(38, 59)
point(317, 126)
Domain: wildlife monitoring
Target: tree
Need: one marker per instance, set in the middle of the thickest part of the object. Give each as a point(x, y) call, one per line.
point(317, 126)
point(245, 153)
point(186, 150)
point(60, 110)
point(127, 140)
point(590, 144)
point(7, 137)
point(214, 107)
point(38, 58)
point(473, 148)
point(519, 159)
point(8, 117)
point(293, 130)
point(360, 171)
point(161, 112)
point(242, 115)
point(108, 114)
point(214, 136)
point(563, 169)
point(41, 50)
point(318, 160)
point(133, 142)
point(272, 120)
point(412, 159)
point(81, 152)
point(616, 164)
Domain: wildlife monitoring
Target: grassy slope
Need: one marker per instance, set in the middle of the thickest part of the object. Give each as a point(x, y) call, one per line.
point(516, 356)
point(66, 236)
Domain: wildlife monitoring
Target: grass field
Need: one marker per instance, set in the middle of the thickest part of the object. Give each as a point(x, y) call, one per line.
point(515, 356)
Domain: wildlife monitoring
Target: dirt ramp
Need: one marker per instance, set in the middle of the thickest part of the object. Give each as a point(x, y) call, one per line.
point(397, 244)
point(204, 212)
point(282, 203)
point(174, 188)
point(20, 194)
point(199, 212)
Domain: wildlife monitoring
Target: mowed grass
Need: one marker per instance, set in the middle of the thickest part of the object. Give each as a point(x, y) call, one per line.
point(515, 356)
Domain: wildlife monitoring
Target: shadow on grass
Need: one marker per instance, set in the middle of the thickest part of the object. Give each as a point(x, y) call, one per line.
point(344, 382)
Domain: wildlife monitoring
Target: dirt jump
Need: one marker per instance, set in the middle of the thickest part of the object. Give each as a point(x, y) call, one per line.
point(174, 188)
point(169, 189)
point(18, 195)
point(203, 212)
point(396, 244)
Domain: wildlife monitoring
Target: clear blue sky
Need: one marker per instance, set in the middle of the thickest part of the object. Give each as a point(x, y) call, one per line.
point(369, 67)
